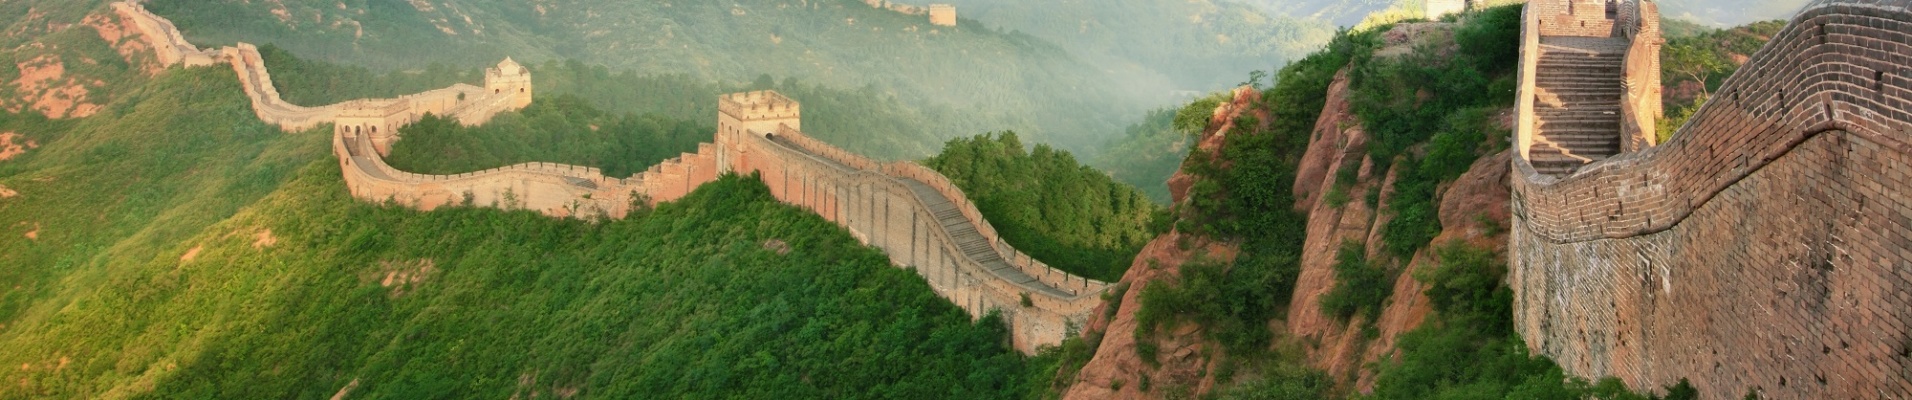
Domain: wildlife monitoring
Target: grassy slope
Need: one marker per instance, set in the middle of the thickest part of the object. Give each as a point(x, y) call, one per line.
point(686, 301)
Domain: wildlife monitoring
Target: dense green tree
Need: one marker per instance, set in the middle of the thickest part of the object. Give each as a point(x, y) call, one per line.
point(560, 129)
point(1693, 66)
point(1042, 201)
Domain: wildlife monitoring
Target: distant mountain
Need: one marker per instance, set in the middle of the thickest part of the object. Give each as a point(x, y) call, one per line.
point(1198, 45)
point(1337, 12)
point(1014, 81)
point(1724, 13)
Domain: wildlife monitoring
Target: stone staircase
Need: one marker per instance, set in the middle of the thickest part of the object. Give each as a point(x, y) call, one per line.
point(1577, 106)
point(970, 241)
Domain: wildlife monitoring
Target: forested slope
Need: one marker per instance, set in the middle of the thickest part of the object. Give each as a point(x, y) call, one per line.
point(175, 246)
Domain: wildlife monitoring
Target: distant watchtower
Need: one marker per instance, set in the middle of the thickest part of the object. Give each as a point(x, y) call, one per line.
point(942, 15)
point(510, 79)
point(741, 116)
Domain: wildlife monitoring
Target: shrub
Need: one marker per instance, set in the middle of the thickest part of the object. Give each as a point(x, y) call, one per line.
point(1360, 287)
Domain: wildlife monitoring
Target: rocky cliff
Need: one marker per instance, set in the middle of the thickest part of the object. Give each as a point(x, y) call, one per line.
point(1473, 209)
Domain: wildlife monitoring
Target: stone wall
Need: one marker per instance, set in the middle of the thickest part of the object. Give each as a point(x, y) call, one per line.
point(1767, 247)
point(877, 203)
point(893, 206)
point(1640, 107)
point(169, 46)
point(1525, 127)
point(1590, 18)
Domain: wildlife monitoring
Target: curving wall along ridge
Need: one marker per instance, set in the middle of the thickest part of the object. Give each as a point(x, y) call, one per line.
point(1767, 247)
point(911, 212)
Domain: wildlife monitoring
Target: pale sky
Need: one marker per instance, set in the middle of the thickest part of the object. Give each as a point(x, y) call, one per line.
point(1730, 12)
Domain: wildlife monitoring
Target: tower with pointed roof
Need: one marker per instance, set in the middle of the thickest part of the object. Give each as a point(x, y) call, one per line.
point(510, 79)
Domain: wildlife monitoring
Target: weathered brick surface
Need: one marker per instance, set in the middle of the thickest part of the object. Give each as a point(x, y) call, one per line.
point(1767, 247)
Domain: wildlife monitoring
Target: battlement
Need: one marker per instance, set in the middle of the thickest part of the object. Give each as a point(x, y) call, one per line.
point(758, 105)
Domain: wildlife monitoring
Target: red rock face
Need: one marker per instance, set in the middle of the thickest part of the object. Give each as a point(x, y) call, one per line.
point(1337, 142)
point(1116, 371)
point(1213, 138)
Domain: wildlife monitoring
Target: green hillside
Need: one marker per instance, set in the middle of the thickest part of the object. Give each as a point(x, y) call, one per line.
point(1048, 205)
point(180, 248)
point(1007, 81)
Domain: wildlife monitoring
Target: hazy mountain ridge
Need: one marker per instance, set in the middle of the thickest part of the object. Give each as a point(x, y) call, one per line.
point(1200, 45)
point(1019, 81)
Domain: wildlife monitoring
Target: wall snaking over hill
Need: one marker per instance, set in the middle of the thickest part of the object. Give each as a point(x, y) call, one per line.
point(913, 213)
point(1766, 248)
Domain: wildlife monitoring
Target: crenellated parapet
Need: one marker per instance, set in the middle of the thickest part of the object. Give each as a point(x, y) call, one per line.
point(1767, 247)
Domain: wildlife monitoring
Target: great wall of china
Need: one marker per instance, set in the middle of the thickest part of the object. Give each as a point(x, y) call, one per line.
point(918, 217)
point(1767, 247)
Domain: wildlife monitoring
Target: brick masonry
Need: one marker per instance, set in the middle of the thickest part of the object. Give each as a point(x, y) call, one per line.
point(917, 216)
point(1767, 247)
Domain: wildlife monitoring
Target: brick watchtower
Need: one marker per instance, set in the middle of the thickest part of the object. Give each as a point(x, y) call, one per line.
point(509, 79)
point(756, 114)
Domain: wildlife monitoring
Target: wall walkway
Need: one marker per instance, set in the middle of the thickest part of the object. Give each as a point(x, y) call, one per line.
point(1766, 247)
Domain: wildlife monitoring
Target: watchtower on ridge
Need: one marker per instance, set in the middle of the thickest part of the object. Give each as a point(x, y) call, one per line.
point(758, 113)
point(761, 111)
point(509, 79)
point(377, 120)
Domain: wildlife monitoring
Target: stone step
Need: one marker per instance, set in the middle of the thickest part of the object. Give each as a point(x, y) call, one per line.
point(1577, 65)
point(1586, 122)
point(1565, 68)
point(1584, 136)
point(1589, 146)
point(1610, 77)
point(1546, 57)
point(1561, 52)
point(1549, 127)
point(1604, 146)
point(1587, 83)
point(1587, 79)
point(1571, 62)
point(1576, 113)
point(1568, 131)
point(1572, 103)
point(1578, 96)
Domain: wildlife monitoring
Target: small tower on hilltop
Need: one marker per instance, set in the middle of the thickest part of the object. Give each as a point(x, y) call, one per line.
point(942, 15)
point(510, 79)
